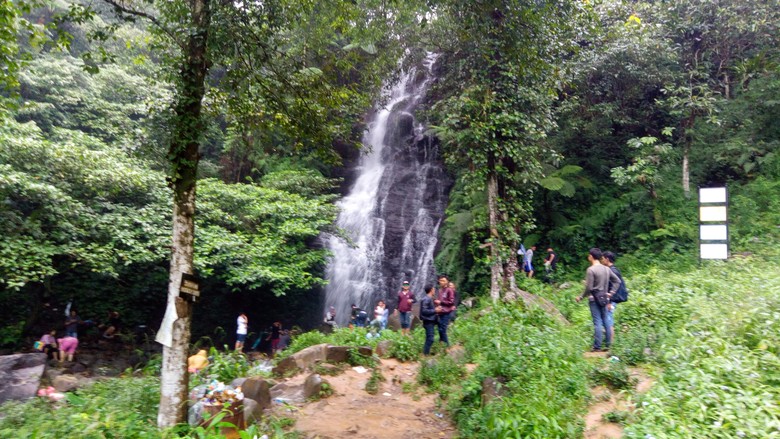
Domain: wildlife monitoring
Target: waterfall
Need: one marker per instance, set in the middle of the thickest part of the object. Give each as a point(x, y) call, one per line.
point(393, 211)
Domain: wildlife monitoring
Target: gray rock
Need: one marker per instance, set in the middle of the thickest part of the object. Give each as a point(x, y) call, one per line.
point(76, 367)
point(394, 322)
point(457, 353)
point(21, 375)
point(491, 389)
point(383, 348)
point(50, 374)
point(312, 386)
point(65, 383)
point(238, 382)
point(366, 351)
point(258, 390)
point(284, 392)
point(87, 359)
point(286, 367)
point(564, 285)
point(337, 354)
point(253, 413)
point(302, 360)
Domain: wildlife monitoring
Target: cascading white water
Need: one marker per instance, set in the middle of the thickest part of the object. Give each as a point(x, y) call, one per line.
point(393, 211)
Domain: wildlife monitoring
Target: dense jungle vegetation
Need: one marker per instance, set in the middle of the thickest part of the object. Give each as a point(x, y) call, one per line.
point(565, 124)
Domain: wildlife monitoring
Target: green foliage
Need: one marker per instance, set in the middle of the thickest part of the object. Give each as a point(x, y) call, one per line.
point(373, 383)
point(616, 416)
point(541, 367)
point(404, 348)
point(720, 369)
point(223, 367)
point(252, 236)
point(303, 341)
point(613, 374)
point(440, 372)
point(118, 407)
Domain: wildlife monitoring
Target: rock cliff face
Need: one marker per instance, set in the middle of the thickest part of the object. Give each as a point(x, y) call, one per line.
point(394, 208)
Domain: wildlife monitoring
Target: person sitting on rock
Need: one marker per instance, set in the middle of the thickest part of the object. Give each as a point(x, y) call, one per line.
point(380, 316)
point(49, 344)
point(112, 325)
point(330, 317)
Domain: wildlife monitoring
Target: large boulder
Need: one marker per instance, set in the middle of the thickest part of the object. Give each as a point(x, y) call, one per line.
point(312, 386)
point(337, 354)
point(258, 390)
point(253, 413)
point(20, 375)
point(65, 383)
point(302, 360)
point(284, 392)
point(383, 348)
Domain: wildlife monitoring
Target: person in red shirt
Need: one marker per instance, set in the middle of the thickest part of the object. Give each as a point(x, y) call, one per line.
point(445, 305)
point(404, 309)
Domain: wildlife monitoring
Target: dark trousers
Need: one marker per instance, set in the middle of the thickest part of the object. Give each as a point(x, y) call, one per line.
point(444, 321)
point(429, 328)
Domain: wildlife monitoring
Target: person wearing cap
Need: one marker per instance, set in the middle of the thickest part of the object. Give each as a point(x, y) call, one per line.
point(330, 317)
point(404, 309)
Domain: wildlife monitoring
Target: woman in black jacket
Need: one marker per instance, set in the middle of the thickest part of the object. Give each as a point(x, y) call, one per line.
point(428, 317)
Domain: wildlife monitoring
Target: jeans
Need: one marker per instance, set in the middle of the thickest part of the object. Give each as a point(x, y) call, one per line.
point(444, 321)
point(406, 319)
point(601, 322)
point(429, 327)
point(611, 315)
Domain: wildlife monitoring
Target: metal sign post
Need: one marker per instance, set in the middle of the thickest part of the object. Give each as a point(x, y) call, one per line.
point(713, 223)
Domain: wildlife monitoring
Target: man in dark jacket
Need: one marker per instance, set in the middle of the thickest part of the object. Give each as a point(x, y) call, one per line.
point(428, 317)
point(608, 259)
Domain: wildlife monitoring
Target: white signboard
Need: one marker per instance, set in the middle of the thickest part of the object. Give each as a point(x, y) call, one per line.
point(712, 213)
point(714, 251)
point(712, 195)
point(713, 232)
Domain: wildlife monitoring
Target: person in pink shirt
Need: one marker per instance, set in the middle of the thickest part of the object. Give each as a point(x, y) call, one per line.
point(68, 347)
point(49, 344)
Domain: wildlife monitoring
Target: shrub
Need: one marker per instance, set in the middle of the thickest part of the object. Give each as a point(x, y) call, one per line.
point(436, 373)
point(614, 375)
point(540, 364)
point(118, 407)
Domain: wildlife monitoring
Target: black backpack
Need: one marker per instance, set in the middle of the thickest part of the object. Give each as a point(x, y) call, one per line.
point(621, 295)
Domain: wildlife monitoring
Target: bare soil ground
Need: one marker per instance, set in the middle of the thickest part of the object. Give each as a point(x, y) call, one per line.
point(354, 413)
point(606, 400)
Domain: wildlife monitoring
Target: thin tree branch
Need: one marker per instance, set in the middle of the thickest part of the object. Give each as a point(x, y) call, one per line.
point(121, 8)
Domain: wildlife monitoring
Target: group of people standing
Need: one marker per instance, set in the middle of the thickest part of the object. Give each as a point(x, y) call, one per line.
point(550, 261)
point(604, 288)
point(437, 310)
point(276, 337)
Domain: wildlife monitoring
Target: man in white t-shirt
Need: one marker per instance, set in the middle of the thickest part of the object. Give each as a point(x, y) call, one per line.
point(243, 326)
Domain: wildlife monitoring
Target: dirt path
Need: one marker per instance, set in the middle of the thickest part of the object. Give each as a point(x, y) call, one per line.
point(607, 400)
point(353, 412)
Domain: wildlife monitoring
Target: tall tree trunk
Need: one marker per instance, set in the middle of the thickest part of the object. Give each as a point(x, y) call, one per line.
point(495, 257)
point(174, 333)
